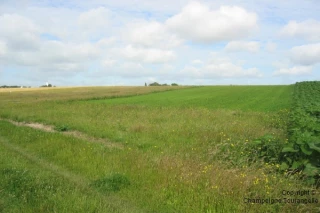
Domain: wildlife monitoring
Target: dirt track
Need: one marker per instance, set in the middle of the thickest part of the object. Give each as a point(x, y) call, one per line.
point(73, 133)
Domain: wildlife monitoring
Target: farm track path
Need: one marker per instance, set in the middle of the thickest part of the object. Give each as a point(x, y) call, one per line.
point(79, 180)
point(116, 203)
point(73, 133)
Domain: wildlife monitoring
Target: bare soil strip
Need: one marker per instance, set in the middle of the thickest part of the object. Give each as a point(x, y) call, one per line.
point(76, 134)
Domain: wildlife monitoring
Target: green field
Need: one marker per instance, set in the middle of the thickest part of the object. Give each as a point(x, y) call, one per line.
point(144, 149)
point(247, 98)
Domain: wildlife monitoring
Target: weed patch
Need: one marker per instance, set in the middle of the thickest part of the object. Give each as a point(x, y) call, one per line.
point(21, 185)
point(267, 148)
point(62, 128)
point(112, 183)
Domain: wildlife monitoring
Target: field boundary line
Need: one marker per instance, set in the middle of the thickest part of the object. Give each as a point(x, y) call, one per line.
point(134, 95)
point(73, 133)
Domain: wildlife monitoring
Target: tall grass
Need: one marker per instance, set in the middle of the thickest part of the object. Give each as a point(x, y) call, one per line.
point(171, 160)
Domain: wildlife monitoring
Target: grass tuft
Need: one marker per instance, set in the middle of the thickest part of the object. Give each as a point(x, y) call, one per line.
point(112, 183)
point(62, 128)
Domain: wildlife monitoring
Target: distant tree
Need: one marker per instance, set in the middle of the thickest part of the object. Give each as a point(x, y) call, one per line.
point(174, 84)
point(155, 84)
point(164, 84)
point(49, 85)
point(5, 86)
point(145, 84)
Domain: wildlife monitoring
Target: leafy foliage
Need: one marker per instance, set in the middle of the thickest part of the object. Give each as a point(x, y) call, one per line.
point(267, 147)
point(302, 153)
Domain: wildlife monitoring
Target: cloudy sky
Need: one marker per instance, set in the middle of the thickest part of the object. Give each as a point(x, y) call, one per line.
point(130, 42)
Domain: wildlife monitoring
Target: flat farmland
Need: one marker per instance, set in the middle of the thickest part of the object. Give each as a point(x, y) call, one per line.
point(144, 149)
point(247, 98)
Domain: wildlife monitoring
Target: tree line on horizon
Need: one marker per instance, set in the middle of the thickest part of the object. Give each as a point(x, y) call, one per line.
point(158, 84)
point(14, 86)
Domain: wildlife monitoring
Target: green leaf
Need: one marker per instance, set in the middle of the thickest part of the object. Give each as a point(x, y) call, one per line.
point(257, 142)
point(313, 146)
point(310, 170)
point(284, 166)
point(296, 164)
point(289, 149)
point(289, 160)
point(306, 150)
point(300, 141)
point(311, 180)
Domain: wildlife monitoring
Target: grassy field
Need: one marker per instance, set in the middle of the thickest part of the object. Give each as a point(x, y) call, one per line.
point(69, 93)
point(246, 98)
point(185, 150)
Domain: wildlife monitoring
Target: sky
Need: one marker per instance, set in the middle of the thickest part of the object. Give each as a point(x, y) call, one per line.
point(133, 42)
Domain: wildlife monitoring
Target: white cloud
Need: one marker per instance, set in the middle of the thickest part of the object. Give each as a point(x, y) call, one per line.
point(150, 34)
point(309, 29)
point(141, 39)
point(197, 62)
point(13, 23)
point(54, 56)
point(279, 64)
point(198, 22)
point(125, 70)
point(271, 46)
point(226, 69)
point(132, 65)
point(19, 32)
point(108, 62)
point(60, 22)
point(296, 70)
point(95, 19)
point(306, 54)
point(218, 67)
point(191, 72)
point(64, 67)
point(148, 55)
point(3, 49)
point(236, 46)
point(106, 42)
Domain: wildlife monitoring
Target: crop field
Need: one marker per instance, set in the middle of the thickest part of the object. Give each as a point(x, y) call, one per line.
point(158, 149)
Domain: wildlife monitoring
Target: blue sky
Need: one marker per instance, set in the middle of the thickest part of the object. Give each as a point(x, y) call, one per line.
point(101, 42)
